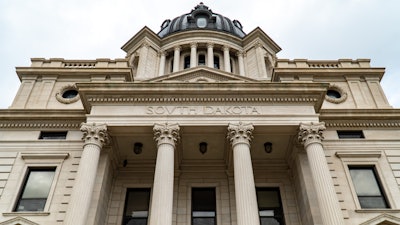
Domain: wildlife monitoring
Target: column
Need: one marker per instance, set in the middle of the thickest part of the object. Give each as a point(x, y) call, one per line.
point(177, 58)
point(310, 135)
point(95, 137)
point(210, 55)
point(162, 63)
point(227, 62)
point(193, 54)
point(241, 63)
point(240, 136)
point(166, 136)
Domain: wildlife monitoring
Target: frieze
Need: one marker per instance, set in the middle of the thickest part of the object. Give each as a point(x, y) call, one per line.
point(203, 99)
point(363, 124)
point(203, 110)
point(40, 125)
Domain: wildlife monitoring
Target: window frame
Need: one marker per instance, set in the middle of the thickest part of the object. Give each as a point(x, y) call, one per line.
point(378, 181)
point(283, 206)
point(37, 160)
point(215, 206)
point(24, 184)
point(126, 200)
point(370, 158)
point(218, 200)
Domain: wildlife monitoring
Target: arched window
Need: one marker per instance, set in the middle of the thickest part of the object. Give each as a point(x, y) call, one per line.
point(202, 60)
point(186, 62)
point(216, 62)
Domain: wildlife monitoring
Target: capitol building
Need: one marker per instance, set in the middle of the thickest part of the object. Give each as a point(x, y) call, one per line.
point(200, 123)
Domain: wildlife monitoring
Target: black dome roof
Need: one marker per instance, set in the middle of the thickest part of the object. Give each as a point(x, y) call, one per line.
point(201, 18)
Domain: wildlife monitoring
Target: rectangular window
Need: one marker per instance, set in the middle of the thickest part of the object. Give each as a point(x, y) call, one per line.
point(35, 190)
point(270, 206)
point(367, 187)
point(136, 206)
point(53, 135)
point(348, 134)
point(203, 206)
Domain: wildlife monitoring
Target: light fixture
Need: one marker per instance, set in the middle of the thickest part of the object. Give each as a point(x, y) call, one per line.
point(137, 148)
point(268, 147)
point(203, 147)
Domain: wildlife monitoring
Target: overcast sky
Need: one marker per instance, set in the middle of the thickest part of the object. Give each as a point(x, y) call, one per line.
point(89, 29)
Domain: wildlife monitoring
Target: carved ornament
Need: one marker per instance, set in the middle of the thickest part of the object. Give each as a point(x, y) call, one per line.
point(240, 133)
point(95, 134)
point(166, 134)
point(311, 133)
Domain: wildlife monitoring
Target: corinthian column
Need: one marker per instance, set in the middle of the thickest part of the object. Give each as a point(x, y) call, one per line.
point(310, 135)
point(193, 54)
point(166, 136)
point(240, 136)
point(177, 58)
point(95, 137)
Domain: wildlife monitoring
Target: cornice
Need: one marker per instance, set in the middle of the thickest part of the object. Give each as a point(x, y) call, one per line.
point(388, 118)
point(39, 119)
point(259, 33)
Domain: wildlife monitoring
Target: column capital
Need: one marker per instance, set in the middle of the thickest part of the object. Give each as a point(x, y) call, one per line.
point(241, 53)
point(193, 44)
point(225, 48)
point(95, 134)
point(166, 133)
point(258, 44)
point(210, 45)
point(311, 133)
point(162, 53)
point(177, 48)
point(240, 133)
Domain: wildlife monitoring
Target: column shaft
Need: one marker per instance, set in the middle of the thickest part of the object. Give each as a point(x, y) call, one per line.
point(241, 63)
point(210, 55)
point(193, 55)
point(162, 64)
point(245, 191)
point(177, 58)
point(311, 136)
point(166, 136)
point(163, 188)
point(79, 204)
point(227, 60)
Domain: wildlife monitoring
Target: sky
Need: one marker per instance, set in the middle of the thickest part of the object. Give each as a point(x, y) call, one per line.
point(304, 29)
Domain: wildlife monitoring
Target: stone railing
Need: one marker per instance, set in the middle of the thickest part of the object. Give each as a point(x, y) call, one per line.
point(79, 64)
point(324, 64)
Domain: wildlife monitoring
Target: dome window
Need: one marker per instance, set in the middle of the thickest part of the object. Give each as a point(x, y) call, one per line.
point(201, 22)
point(202, 60)
point(165, 24)
point(238, 24)
point(186, 63)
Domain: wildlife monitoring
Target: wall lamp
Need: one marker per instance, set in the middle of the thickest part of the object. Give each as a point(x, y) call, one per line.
point(203, 147)
point(137, 148)
point(268, 147)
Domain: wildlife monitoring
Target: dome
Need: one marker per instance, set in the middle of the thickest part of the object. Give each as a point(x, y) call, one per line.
point(201, 18)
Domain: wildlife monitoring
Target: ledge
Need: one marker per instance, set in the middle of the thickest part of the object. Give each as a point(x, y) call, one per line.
point(26, 213)
point(359, 154)
point(377, 210)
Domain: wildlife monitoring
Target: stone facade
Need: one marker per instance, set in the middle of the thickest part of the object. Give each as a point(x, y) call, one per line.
point(201, 107)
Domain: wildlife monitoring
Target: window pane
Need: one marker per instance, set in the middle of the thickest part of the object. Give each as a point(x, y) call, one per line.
point(365, 182)
point(203, 221)
point(269, 221)
point(202, 60)
point(203, 206)
point(270, 206)
point(372, 202)
point(36, 190)
point(136, 206)
point(367, 187)
point(203, 199)
point(268, 199)
point(186, 63)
